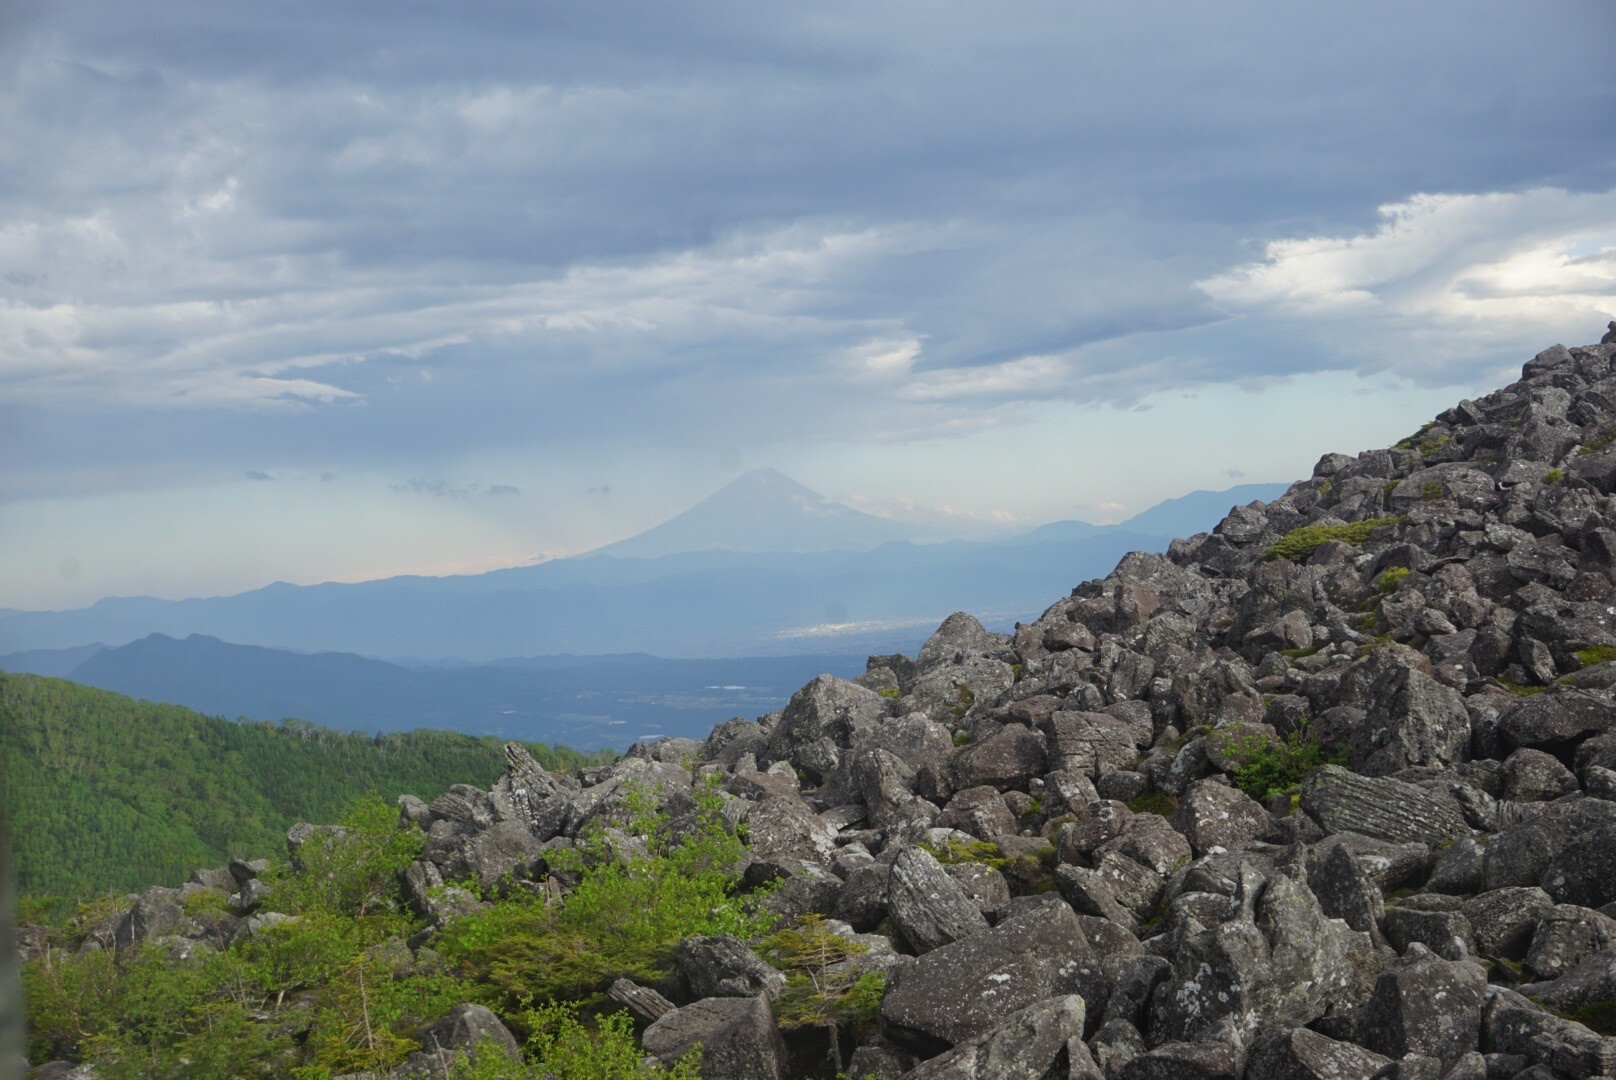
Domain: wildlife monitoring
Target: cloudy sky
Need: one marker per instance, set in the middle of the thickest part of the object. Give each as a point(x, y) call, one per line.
point(314, 291)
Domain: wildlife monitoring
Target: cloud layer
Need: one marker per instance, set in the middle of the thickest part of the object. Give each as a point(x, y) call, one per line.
point(308, 238)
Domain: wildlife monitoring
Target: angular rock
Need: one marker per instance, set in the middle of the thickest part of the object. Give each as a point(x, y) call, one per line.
point(1379, 807)
point(929, 909)
point(1009, 758)
point(1026, 1044)
point(737, 1035)
point(1412, 720)
point(1215, 816)
point(1295, 1053)
point(1567, 935)
point(1425, 1005)
point(960, 992)
point(724, 966)
point(467, 1036)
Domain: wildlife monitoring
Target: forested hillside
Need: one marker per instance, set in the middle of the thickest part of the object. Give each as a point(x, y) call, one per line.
point(103, 792)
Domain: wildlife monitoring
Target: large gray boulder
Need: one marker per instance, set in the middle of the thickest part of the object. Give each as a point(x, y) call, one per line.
point(1380, 807)
point(724, 966)
point(1090, 743)
point(958, 993)
point(1547, 721)
point(1215, 817)
point(1584, 872)
point(1425, 1005)
point(1009, 758)
point(1295, 1053)
point(1412, 720)
point(737, 1036)
point(1276, 958)
point(821, 720)
point(929, 909)
point(1026, 1044)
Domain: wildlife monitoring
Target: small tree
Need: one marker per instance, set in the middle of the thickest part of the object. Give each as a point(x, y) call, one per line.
point(822, 988)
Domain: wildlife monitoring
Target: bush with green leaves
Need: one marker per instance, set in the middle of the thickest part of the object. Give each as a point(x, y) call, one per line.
point(351, 869)
point(563, 1047)
point(622, 918)
point(1267, 765)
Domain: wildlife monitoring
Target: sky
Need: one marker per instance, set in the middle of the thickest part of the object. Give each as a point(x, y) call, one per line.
point(314, 291)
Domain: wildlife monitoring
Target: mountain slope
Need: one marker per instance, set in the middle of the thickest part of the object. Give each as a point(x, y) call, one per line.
point(104, 792)
point(763, 510)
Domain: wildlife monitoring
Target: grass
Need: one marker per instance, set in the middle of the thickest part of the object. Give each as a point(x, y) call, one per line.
point(968, 851)
point(1298, 654)
point(966, 700)
point(1413, 440)
point(1298, 544)
point(1430, 491)
point(1519, 690)
point(1554, 476)
point(1600, 1016)
point(1153, 802)
point(891, 693)
point(1391, 579)
point(1599, 442)
point(1596, 654)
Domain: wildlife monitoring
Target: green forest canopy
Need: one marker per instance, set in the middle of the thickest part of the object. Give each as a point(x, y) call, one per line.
point(102, 792)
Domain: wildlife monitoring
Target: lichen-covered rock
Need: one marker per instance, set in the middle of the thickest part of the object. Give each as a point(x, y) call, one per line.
point(1295, 1053)
point(929, 909)
point(1425, 1005)
point(960, 992)
point(1215, 816)
point(737, 1036)
point(724, 966)
point(463, 1038)
point(1027, 1043)
point(1379, 807)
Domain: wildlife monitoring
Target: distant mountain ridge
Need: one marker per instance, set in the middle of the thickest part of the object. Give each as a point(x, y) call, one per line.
point(705, 603)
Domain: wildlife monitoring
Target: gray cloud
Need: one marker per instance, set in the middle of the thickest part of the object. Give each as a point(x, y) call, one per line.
point(317, 235)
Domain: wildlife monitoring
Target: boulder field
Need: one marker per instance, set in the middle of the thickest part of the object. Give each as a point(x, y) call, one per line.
point(1327, 793)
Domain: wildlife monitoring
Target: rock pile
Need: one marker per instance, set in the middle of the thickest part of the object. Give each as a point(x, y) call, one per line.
point(1327, 793)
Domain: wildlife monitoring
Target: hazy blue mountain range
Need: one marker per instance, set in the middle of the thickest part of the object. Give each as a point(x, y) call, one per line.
point(712, 602)
point(584, 702)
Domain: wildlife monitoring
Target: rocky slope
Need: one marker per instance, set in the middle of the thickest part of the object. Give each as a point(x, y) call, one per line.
point(1327, 793)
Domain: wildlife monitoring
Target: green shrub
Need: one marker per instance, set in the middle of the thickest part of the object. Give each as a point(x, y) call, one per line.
point(1430, 491)
point(1554, 476)
point(352, 871)
point(964, 851)
point(1411, 441)
point(822, 989)
point(1298, 544)
point(962, 738)
point(1267, 766)
point(563, 1047)
point(621, 919)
